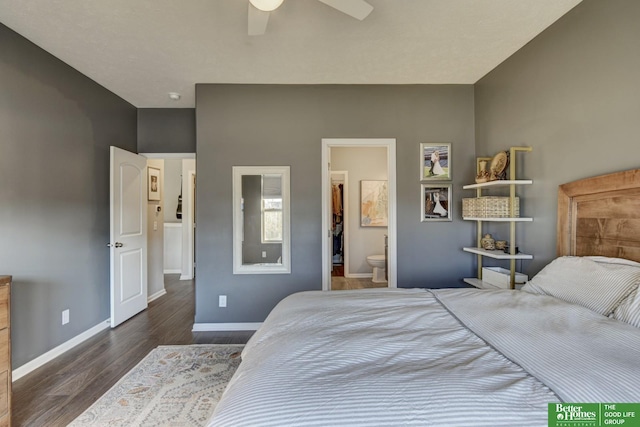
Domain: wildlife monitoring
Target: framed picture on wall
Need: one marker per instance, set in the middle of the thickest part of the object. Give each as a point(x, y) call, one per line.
point(153, 192)
point(436, 202)
point(373, 204)
point(435, 161)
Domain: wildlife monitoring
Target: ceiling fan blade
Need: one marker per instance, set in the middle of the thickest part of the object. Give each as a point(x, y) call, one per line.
point(257, 21)
point(358, 9)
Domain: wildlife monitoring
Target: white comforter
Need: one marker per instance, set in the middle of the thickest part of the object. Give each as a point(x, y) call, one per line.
point(420, 358)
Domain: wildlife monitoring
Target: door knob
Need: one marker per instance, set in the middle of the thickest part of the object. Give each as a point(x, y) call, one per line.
point(117, 245)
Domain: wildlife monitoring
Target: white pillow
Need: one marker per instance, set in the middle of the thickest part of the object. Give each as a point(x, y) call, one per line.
point(599, 286)
point(629, 309)
point(609, 260)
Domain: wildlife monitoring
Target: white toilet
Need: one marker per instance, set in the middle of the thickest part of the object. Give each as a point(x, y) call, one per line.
point(377, 262)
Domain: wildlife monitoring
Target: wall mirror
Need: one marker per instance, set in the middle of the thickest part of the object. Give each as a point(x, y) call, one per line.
point(261, 236)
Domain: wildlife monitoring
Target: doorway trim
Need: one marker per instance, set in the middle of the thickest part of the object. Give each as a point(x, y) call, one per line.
point(390, 145)
point(188, 238)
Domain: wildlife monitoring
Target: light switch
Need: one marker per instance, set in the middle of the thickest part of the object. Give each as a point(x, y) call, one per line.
point(155, 225)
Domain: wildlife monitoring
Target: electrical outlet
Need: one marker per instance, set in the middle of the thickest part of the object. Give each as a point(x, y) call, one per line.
point(65, 317)
point(222, 301)
point(264, 254)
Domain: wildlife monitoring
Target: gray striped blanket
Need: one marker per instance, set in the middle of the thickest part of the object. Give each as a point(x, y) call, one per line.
point(455, 357)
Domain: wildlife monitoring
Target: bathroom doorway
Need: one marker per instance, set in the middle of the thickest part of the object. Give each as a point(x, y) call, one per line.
point(353, 244)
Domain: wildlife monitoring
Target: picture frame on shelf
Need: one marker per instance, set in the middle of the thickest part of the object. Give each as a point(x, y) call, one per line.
point(373, 203)
point(153, 184)
point(435, 161)
point(436, 202)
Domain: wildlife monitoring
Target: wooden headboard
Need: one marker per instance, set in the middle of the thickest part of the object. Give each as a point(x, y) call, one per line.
point(600, 216)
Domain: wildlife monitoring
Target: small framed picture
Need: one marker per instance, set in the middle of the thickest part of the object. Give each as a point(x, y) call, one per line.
point(436, 202)
point(435, 161)
point(154, 183)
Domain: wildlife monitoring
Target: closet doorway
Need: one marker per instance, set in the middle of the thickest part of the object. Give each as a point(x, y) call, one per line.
point(340, 223)
point(367, 240)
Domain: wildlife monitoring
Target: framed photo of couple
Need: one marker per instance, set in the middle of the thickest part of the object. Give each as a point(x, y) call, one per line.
point(435, 161)
point(436, 202)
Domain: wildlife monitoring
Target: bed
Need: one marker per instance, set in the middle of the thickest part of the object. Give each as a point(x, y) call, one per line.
point(418, 357)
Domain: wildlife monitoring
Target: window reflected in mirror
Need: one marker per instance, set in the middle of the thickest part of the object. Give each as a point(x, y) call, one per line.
point(261, 219)
point(271, 209)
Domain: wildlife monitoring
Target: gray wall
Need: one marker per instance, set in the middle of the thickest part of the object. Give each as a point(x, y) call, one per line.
point(56, 126)
point(248, 125)
point(572, 94)
point(166, 130)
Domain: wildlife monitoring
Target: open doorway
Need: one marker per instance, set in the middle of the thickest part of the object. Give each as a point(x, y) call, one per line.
point(172, 236)
point(339, 225)
point(360, 241)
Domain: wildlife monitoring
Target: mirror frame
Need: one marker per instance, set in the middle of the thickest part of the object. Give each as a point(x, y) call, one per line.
point(238, 226)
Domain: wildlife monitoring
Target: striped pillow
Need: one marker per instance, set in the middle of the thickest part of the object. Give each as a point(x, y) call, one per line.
point(596, 285)
point(629, 309)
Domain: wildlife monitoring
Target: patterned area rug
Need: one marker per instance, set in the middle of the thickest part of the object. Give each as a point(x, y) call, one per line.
point(175, 385)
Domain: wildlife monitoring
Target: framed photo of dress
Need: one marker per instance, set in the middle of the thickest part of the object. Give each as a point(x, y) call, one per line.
point(436, 202)
point(435, 161)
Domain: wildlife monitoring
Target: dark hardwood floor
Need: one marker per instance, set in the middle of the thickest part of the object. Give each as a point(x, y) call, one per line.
point(59, 391)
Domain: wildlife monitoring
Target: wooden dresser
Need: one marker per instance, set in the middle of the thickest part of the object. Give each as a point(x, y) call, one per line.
point(5, 351)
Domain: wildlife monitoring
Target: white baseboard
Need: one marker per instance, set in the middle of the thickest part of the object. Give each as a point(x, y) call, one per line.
point(157, 295)
point(172, 271)
point(185, 276)
point(211, 327)
point(31, 366)
point(359, 275)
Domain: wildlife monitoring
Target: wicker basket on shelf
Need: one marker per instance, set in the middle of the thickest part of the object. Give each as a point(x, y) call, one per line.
point(489, 207)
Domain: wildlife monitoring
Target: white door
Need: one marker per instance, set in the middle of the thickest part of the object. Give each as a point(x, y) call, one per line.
point(128, 238)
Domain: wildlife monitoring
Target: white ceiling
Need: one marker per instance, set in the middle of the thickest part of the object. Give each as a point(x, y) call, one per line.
point(143, 49)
